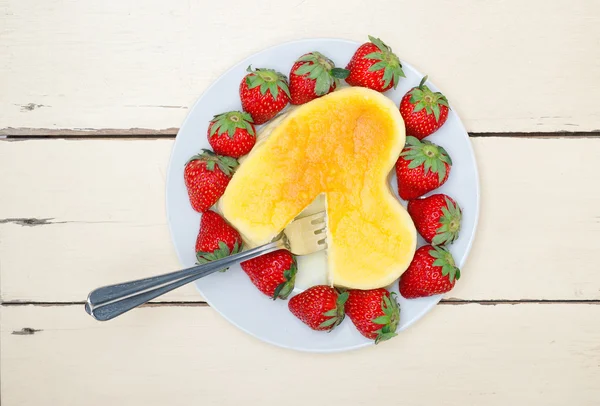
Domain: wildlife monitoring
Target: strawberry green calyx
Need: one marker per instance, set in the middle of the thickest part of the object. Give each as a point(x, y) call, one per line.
point(221, 252)
point(389, 320)
point(229, 122)
point(387, 61)
point(322, 70)
point(283, 290)
point(336, 315)
point(428, 154)
point(444, 259)
point(423, 98)
point(450, 224)
point(268, 80)
point(226, 164)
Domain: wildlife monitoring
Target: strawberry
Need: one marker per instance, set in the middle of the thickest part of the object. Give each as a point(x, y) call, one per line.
point(216, 239)
point(264, 93)
point(431, 272)
point(273, 274)
point(206, 176)
point(313, 75)
point(232, 134)
point(437, 218)
point(423, 111)
point(375, 313)
point(421, 168)
point(375, 66)
point(320, 307)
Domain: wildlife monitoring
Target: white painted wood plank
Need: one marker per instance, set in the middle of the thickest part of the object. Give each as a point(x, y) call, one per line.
point(108, 222)
point(537, 236)
point(506, 65)
point(527, 354)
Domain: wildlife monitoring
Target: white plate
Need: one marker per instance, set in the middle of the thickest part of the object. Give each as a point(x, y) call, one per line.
point(231, 293)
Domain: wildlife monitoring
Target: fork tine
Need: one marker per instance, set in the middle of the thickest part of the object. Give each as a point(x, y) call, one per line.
point(307, 235)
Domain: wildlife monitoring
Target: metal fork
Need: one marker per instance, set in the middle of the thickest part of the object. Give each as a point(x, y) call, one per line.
point(301, 237)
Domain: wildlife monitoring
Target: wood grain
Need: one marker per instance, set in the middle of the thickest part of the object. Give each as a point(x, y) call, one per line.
point(506, 65)
point(534, 354)
point(73, 222)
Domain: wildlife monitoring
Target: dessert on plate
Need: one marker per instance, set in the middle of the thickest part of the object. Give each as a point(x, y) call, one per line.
point(333, 150)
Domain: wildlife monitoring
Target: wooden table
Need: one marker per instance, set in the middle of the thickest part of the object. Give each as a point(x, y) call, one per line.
point(91, 95)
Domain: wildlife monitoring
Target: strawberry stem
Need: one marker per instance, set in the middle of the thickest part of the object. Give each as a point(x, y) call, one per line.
point(390, 318)
point(388, 61)
point(450, 221)
point(444, 259)
point(269, 80)
point(283, 290)
point(423, 98)
point(433, 157)
point(229, 122)
point(318, 67)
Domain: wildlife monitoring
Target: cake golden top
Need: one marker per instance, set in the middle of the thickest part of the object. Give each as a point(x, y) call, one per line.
point(342, 145)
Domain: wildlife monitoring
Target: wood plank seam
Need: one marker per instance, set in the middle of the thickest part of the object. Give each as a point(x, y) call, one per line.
point(104, 134)
point(442, 302)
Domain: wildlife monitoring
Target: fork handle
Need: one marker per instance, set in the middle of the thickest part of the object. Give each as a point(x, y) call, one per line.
point(108, 302)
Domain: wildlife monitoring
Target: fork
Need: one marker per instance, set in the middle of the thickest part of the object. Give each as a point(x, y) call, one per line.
point(301, 237)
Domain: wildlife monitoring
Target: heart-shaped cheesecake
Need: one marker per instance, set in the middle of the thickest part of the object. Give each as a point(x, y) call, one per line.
point(343, 146)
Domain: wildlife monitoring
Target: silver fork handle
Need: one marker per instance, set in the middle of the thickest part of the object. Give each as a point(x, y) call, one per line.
point(111, 301)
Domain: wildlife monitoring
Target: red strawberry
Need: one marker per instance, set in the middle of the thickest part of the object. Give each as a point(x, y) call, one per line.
point(421, 168)
point(313, 75)
point(431, 272)
point(375, 313)
point(232, 134)
point(375, 66)
point(320, 307)
point(273, 274)
point(423, 111)
point(437, 218)
point(216, 238)
point(264, 93)
point(206, 176)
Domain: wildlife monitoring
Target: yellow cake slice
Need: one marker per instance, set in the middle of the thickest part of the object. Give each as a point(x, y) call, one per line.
point(344, 146)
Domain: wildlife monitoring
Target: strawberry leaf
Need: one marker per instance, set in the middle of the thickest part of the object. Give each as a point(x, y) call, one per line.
point(304, 69)
point(307, 58)
point(446, 262)
point(441, 172)
point(381, 320)
point(436, 111)
point(425, 153)
point(329, 322)
point(430, 100)
point(379, 44)
point(450, 222)
point(284, 86)
point(342, 298)
point(268, 80)
point(340, 73)
point(388, 75)
point(283, 290)
point(374, 55)
point(420, 106)
point(377, 66)
point(316, 71)
point(221, 252)
point(322, 86)
point(390, 318)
